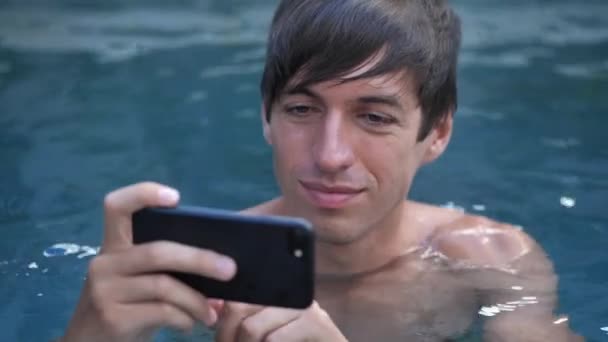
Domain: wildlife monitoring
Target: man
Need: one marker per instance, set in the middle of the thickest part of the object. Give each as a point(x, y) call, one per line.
point(358, 95)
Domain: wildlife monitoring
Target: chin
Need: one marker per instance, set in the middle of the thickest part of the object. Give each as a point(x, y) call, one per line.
point(337, 230)
point(334, 226)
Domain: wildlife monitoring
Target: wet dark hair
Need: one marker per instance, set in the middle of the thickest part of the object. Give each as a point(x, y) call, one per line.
point(321, 40)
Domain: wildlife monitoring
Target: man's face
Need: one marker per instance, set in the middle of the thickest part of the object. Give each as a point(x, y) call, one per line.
point(345, 154)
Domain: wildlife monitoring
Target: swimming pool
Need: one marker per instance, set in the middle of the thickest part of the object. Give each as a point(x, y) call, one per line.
point(97, 96)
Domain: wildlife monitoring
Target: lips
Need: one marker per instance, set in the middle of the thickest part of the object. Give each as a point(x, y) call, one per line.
point(330, 196)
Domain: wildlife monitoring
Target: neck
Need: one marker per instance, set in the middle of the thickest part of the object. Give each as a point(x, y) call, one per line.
point(390, 238)
point(397, 234)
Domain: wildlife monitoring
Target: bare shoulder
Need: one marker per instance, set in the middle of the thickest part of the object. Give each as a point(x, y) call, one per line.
point(271, 207)
point(479, 240)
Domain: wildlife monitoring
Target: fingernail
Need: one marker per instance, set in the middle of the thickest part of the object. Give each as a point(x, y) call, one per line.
point(226, 267)
point(168, 196)
point(216, 304)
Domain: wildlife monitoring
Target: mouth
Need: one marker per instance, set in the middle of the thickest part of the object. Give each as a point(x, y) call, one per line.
point(330, 196)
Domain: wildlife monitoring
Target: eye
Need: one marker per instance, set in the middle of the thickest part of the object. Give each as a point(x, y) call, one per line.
point(299, 110)
point(377, 119)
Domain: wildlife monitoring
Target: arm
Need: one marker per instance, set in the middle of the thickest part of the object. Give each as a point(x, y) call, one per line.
point(522, 306)
point(513, 276)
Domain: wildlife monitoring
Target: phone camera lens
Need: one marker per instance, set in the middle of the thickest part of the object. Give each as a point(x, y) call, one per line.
point(296, 244)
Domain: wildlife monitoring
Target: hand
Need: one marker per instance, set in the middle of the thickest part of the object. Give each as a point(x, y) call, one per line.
point(126, 297)
point(249, 323)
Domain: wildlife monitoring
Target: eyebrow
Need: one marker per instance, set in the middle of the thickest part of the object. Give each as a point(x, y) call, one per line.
point(388, 100)
point(299, 90)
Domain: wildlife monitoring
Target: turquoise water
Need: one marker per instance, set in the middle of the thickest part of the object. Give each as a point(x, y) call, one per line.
point(96, 97)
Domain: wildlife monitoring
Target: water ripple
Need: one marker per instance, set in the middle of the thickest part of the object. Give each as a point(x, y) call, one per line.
point(224, 70)
point(548, 23)
point(585, 71)
point(120, 35)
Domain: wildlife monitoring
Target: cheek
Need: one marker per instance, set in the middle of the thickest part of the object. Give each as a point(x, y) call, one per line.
point(290, 145)
point(392, 163)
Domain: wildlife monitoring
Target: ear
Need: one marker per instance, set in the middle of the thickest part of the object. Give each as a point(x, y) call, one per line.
point(439, 139)
point(265, 125)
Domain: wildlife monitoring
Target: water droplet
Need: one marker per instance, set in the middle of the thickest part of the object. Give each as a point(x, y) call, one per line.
point(567, 202)
point(452, 206)
point(561, 320)
point(479, 207)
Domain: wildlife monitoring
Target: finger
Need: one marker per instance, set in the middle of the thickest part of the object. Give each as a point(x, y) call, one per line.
point(216, 304)
point(164, 288)
point(120, 204)
point(256, 327)
point(232, 316)
point(170, 256)
point(153, 315)
point(296, 330)
point(313, 325)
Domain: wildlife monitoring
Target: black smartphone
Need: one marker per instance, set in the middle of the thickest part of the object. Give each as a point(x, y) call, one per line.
point(274, 255)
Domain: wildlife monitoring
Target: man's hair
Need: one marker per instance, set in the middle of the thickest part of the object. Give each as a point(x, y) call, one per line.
point(313, 41)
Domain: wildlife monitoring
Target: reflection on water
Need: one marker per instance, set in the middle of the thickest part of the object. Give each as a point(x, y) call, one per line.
point(93, 98)
point(496, 309)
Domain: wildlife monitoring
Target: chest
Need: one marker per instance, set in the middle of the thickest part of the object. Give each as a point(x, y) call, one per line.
point(413, 306)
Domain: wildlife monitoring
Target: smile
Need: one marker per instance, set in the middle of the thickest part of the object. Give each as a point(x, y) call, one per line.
point(329, 196)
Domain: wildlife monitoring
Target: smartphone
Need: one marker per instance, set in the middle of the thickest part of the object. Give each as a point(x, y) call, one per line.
point(274, 255)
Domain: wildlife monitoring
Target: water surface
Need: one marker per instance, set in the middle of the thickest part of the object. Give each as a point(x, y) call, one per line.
point(93, 97)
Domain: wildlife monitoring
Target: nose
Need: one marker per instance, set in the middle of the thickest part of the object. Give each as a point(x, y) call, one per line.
point(332, 149)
